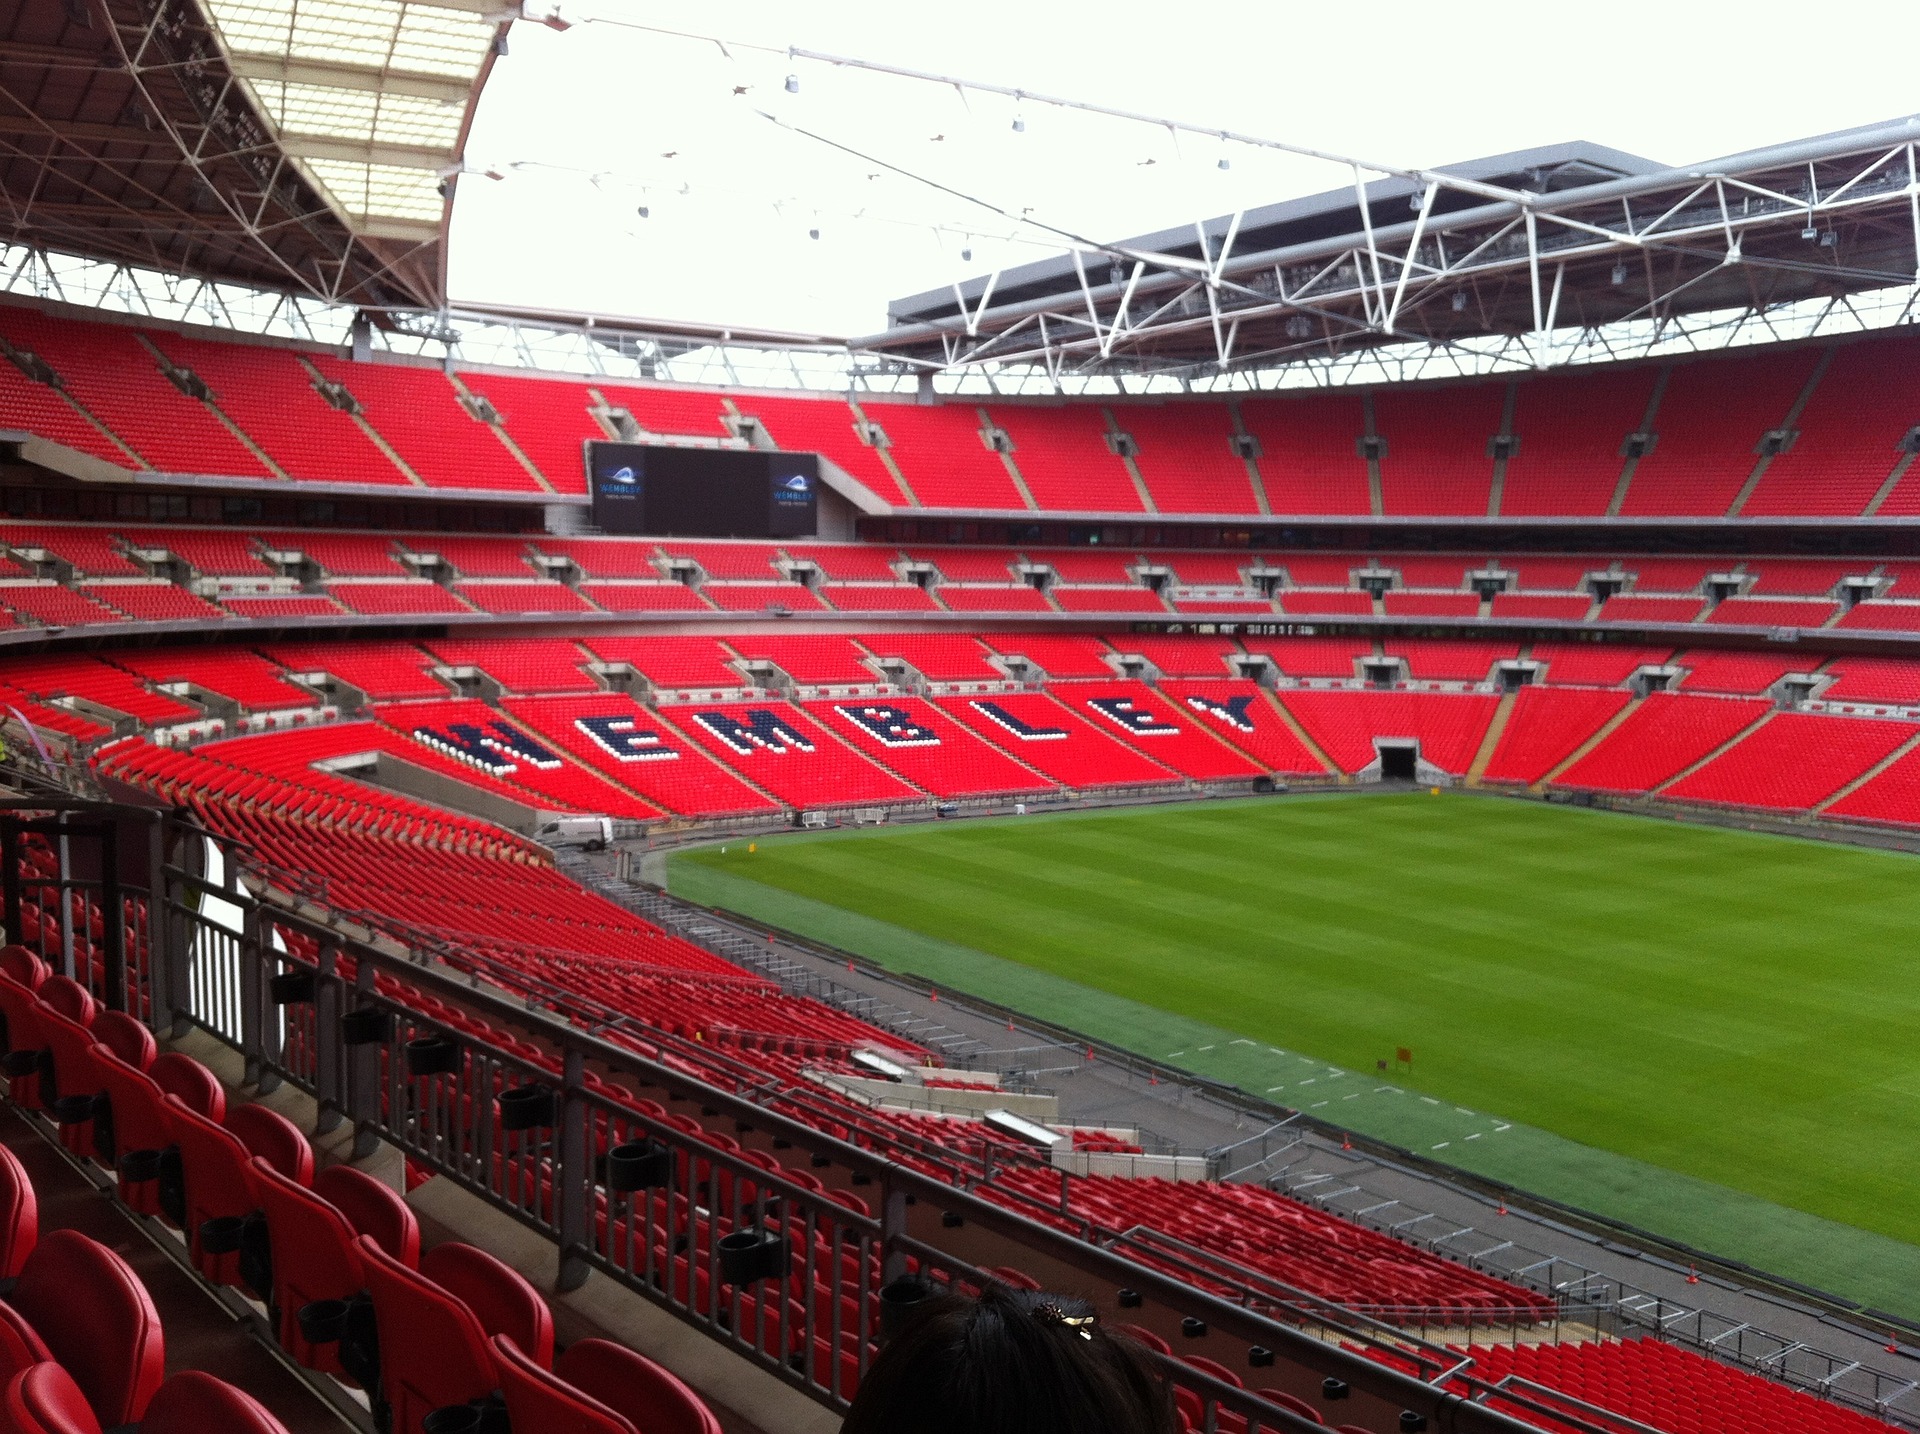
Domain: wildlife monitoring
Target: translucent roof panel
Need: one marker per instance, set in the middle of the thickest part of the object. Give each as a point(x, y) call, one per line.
point(369, 95)
point(376, 191)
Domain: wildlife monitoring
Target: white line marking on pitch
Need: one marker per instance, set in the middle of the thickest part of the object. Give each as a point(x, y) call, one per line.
point(1272, 1088)
point(1443, 1145)
point(1242, 1041)
point(1476, 1135)
point(1206, 1048)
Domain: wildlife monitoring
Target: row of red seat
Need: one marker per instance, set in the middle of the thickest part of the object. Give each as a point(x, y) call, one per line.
point(452, 1325)
point(1566, 433)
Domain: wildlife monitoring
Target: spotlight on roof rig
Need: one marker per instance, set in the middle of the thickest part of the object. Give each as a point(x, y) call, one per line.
point(793, 84)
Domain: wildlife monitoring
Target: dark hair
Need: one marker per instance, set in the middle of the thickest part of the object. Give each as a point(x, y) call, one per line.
point(1010, 1362)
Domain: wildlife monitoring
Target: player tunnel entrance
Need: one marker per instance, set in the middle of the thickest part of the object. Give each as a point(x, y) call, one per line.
point(1398, 760)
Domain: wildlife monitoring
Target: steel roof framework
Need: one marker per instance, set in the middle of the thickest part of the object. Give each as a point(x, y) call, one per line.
point(1536, 274)
point(288, 144)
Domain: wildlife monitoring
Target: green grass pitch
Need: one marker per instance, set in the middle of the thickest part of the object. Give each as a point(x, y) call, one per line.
point(1739, 1009)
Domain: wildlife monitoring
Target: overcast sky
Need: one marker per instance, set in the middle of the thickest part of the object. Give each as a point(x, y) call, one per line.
point(593, 124)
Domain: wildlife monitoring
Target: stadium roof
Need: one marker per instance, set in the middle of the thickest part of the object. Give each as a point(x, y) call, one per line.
point(298, 145)
point(1571, 236)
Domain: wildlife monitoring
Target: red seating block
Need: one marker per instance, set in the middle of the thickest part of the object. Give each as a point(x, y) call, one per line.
point(1666, 734)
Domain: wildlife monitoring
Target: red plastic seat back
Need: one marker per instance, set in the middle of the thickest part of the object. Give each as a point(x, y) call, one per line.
point(68, 997)
point(97, 1320)
point(192, 1082)
point(195, 1403)
point(499, 1297)
point(373, 1209)
point(22, 967)
point(313, 1258)
point(635, 1387)
point(20, 1346)
point(125, 1037)
point(216, 1168)
point(539, 1400)
point(273, 1138)
point(1292, 1403)
point(19, 1214)
point(139, 1109)
point(432, 1350)
point(44, 1399)
point(71, 1044)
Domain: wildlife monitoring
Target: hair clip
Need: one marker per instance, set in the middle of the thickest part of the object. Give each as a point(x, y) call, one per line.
point(1050, 1313)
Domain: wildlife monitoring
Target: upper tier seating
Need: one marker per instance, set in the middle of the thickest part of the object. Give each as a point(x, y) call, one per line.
point(1186, 457)
point(271, 395)
point(1062, 454)
point(1107, 600)
point(1873, 679)
point(1710, 420)
point(90, 550)
point(1848, 438)
point(848, 562)
point(762, 597)
point(510, 598)
point(1744, 673)
point(1584, 665)
point(108, 371)
point(871, 597)
point(477, 557)
point(940, 453)
point(1436, 458)
point(417, 411)
point(154, 602)
point(644, 597)
point(1309, 460)
point(1568, 429)
point(1572, 425)
point(1181, 656)
point(1312, 656)
point(1011, 598)
point(86, 677)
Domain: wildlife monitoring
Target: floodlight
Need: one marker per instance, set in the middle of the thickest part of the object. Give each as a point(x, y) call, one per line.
point(1225, 163)
point(1619, 275)
point(1298, 327)
point(1019, 125)
point(643, 211)
point(793, 84)
point(966, 254)
point(813, 234)
point(1459, 301)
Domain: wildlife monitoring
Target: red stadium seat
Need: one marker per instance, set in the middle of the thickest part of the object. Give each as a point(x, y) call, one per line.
point(97, 1320)
point(194, 1402)
point(314, 1259)
point(501, 1300)
point(19, 1215)
point(45, 1399)
point(372, 1209)
point(433, 1351)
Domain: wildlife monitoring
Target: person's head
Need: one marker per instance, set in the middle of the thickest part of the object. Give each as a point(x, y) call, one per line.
point(1010, 1362)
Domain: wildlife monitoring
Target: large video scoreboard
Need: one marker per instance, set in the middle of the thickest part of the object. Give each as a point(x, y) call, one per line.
point(702, 492)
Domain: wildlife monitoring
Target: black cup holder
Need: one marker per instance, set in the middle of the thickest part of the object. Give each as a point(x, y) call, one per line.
point(748, 1256)
point(292, 988)
point(72, 1110)
point(526, 1107)
point(638, 1165)
point(221, 1235)
point(139, 1166)
point(432, 1055)
point(1192, 1328)
point(323, 1321)
point(453, 1419)
point(365, 1028)
point(1333, 1389)
point(1260, 1357)
point(900, 1302)
point(19, 1063)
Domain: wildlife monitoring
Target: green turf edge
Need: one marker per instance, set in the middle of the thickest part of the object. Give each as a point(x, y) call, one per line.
point(1875, 1270)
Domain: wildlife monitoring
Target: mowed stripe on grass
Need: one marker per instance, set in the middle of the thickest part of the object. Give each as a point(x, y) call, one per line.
point(1736, 1007)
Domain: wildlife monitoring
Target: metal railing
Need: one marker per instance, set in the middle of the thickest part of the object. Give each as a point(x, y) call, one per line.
point(778, 1240)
